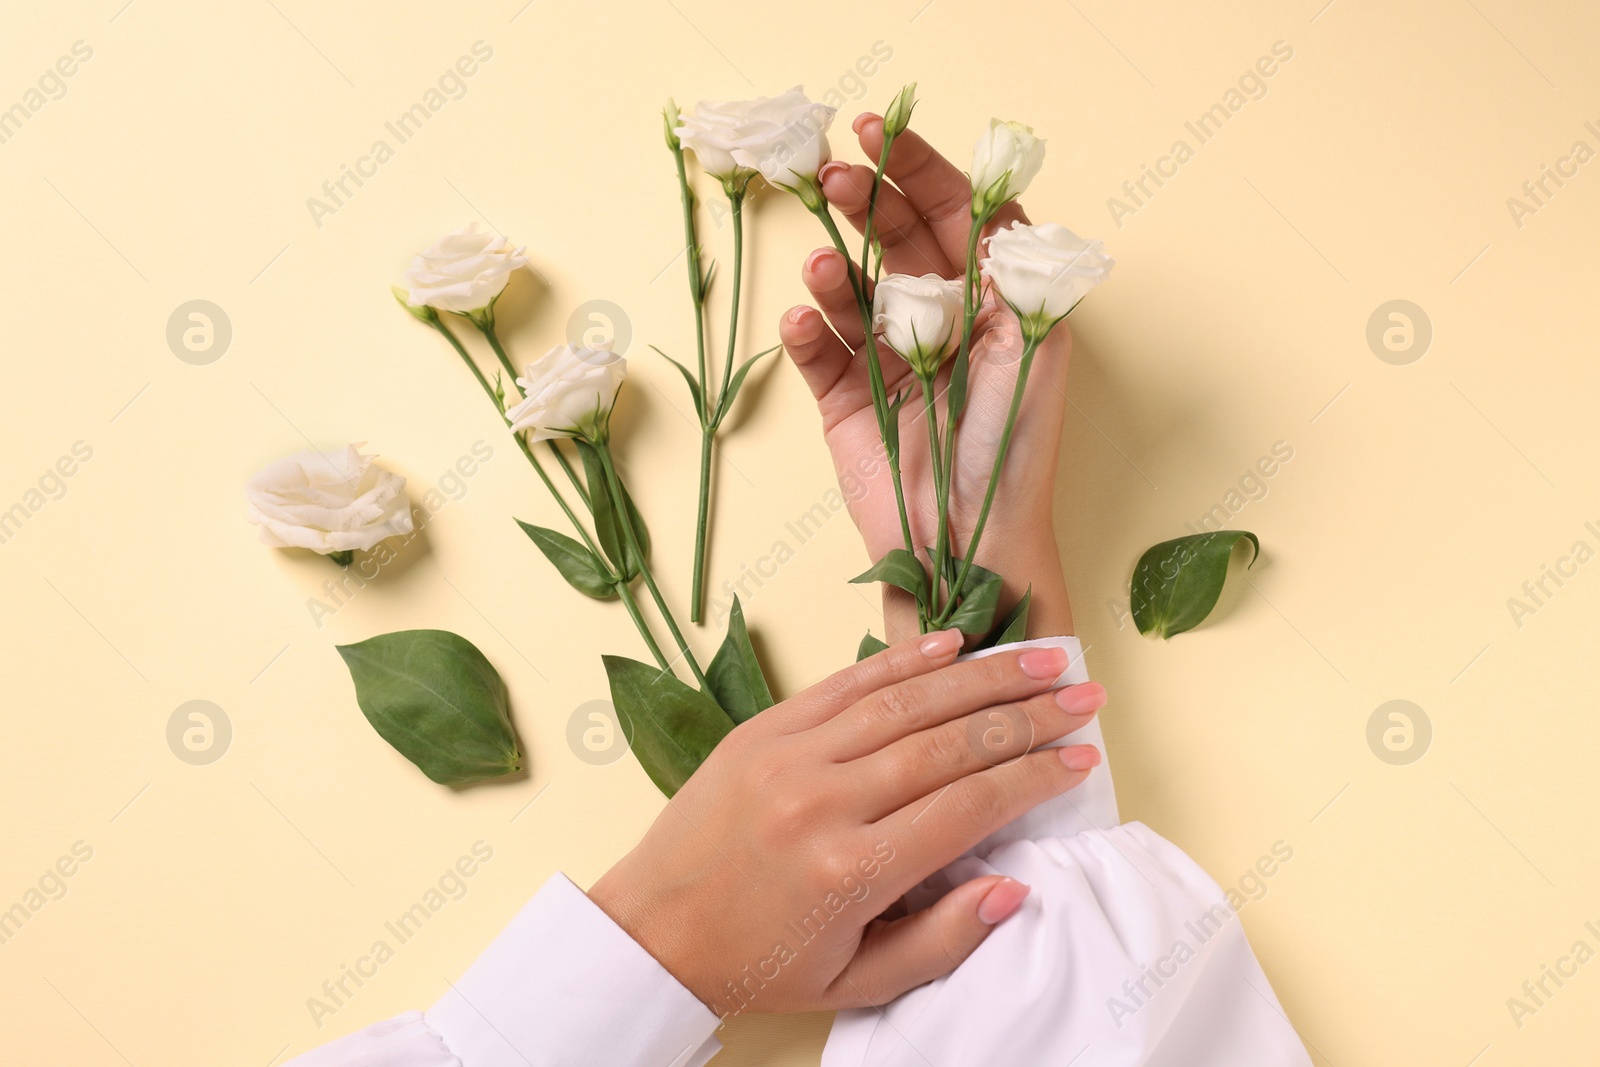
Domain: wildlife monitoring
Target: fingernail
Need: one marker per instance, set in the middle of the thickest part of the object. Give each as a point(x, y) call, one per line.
point(1080, 757)
point(1043, 663)
point(831, 168)
point(814, 260)
point(861, 120)
point(1081, 699)
point(796, 314)
point(941, 644)
point(1002, 901)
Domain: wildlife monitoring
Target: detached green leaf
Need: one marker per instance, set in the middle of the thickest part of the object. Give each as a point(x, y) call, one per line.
point(688, 376)
point(731, 390)
point(1177, 583)
point(869, 646)
point(434, 697)
point(670, 727)
point(579, 566)
point(979, 602)
point(900, 569)
point(1014, 627)
point(735, 675)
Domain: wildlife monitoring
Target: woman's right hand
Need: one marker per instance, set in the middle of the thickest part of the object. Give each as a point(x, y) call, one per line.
point(761, 885)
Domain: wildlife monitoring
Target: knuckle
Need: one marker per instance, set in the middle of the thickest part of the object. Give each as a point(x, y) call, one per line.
point(945, 748)
point(896, 706)
point(975, 802)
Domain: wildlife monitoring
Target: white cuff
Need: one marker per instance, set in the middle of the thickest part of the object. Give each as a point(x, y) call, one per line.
point(564, 984)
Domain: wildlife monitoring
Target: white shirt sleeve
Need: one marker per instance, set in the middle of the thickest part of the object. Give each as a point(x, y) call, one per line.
point(563, 984)
point(1126, 954)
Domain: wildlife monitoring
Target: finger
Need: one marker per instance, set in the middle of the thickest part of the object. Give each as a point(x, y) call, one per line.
point(827, 276)
point(932, 831)
point(909, 247)
point(900, 955)
point(824, 361)
point(928, 760)
point(904, 708)
point(933, 185)
point(907, 659)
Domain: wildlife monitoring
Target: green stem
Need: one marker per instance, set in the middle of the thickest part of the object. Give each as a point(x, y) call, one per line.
point(931, 416)
point(620, 497)
point(632, 605)
point(880, 396)
point(736, 204)
point(1029, 347)
point(969, 315)
point(487, 329)
point(577, 483)
point(620, 584)
point(701, 522)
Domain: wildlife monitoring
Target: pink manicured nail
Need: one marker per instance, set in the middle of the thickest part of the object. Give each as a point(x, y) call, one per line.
point(941, 644)
point(796, 314)
point(831, 168)
point(814, 260)
point(1080, 757)
point(1002, 901)
point(861, 120)
point(1043, 663)
point(1081, 699)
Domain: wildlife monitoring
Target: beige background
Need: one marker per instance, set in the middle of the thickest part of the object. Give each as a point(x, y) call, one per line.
point(1377, 166)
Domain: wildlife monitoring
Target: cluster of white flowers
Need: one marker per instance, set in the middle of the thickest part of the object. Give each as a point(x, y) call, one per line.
point(783, 138)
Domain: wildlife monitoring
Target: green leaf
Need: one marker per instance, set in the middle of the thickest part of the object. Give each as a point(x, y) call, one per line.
point(979, 600)
point(900, 569)
point(670, 727)
point(891, 431)
point(688, 376)
point(735, 675)
point(869, 646)
point(607, 528)
point(434, 697)
point(1014, 627)
point(731, 390)
point(1177, 583)
point(577, 564)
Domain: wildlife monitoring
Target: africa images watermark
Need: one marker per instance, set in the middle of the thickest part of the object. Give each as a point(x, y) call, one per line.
point(854, 482)
point(1251, 887)
point(338, 991)
point(1537, 992)
point(451, 486)
point(50, 487)
point(1538, 191)
point(50, 87)
point(450, 86)
point(48, 887)
point(1251, 86)
point(1538, 591)
point(739, 993)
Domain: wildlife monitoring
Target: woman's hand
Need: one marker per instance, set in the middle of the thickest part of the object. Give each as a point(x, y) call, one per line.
point(923, 219)
point(761, 885)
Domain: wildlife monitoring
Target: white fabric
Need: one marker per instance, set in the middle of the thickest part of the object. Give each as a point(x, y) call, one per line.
point(1125, 954)
point(561, 984)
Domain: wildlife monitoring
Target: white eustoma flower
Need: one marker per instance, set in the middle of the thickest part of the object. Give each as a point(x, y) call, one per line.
point(918, 317)
point(570, 393)
point(1006, 158)
point(784, 137)
point(330, 502)
point(464, 272)
point(1043, 270)
point(712, 131)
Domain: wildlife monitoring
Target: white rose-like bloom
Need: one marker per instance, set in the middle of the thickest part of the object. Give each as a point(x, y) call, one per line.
point(712, 132)
point(329, 502)
point(1043, 270)
point(1006, 158)
point(464, 272)
point(570, 392)
point(918, 317)
point(784, 137)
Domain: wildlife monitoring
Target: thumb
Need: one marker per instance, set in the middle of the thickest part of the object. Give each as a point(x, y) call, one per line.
point(900, 955)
